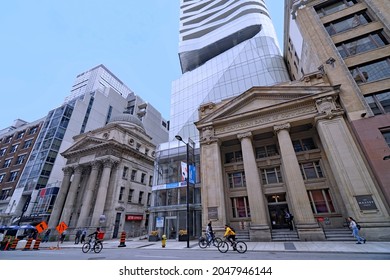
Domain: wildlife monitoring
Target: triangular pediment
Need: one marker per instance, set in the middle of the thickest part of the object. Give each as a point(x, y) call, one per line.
point(87, 142)
point(260, 99)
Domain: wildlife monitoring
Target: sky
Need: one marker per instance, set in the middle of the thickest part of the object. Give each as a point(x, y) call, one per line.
point(45, 44)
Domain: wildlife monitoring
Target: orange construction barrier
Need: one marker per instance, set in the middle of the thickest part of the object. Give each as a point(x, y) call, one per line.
point(14, 244)
point(123, 239)
point(36, 244)
point(28, 244)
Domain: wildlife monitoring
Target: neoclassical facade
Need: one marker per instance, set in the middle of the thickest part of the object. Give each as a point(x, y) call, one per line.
point(286, 147)
point(107, 179)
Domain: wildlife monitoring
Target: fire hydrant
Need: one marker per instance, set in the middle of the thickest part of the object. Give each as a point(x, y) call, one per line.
point(163, 241)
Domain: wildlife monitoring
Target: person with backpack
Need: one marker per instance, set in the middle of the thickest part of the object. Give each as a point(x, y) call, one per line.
point(209, 232)
point(230, 235)
point(353, 225)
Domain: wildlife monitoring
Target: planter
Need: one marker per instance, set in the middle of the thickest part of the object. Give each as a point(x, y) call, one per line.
point(153, 238)
point(183, 237)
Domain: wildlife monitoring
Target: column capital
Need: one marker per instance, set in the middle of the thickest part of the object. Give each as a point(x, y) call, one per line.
point(282, 126)
point(207, 135)
point(68, 170)
point(78, 169)
point(241, 136)
point(96, 164)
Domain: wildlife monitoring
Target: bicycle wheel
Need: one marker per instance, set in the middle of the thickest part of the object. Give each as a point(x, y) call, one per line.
point(202, 243)
point(217, 241)
point(86, 247)
point(223, 247)
point(98, 247)
point(241, 247)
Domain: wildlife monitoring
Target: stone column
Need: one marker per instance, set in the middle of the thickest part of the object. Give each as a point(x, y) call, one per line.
point(260, 229)
point(88, 195)
point(102, 193)
point(70, 198)
point(305, 223)
point(212, 190)
point(60, 199)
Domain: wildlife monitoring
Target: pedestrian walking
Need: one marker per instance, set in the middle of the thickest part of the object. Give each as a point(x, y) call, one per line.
point(63, 235)
point(77, 237)
point(46, 236)
point(355, 231)
point(83, 235)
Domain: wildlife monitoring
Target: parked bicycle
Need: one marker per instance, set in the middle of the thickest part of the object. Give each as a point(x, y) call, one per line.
point(207, 242)
point(239, 246)
point(93, 244)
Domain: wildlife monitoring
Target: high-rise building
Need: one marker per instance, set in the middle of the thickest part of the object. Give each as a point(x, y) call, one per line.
point(225, 48)
point(350, 41)
point(96, 97)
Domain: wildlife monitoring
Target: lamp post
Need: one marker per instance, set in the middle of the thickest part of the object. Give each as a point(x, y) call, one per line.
point(178, 137)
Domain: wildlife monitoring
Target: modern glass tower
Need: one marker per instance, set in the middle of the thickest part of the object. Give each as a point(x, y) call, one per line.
point(225, 48)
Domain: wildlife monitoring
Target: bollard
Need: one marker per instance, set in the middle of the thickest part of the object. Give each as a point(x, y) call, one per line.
point(36, 244)
point(28, 244)
point(123, 239)
point(163, 241)
point(14, 244)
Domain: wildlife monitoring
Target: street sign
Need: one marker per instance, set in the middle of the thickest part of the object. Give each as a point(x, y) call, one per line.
point(61, 227)
point(42, 226)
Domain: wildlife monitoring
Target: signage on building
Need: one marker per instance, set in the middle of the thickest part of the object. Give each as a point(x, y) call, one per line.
point(213, 213)
point(159, 222)
point(366, 202)
point(134, 217)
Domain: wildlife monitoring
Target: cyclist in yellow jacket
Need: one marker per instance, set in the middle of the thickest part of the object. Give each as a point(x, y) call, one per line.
point(230, 235)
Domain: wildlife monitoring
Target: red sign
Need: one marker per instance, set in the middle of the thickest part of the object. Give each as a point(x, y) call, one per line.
point(134, 217)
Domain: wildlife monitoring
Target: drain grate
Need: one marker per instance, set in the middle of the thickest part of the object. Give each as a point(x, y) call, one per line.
point(289, 246)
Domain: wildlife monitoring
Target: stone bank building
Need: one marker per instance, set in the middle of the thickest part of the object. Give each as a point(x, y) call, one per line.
point(290, 147)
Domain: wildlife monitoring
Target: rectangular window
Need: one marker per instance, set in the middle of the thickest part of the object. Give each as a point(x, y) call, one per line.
point(8, 139)
point(379, 102)
point(13, 175)
point(14, 148)
point(266, 151)
point(372, 71)
point(240, 207)
point(150, 181)
point(133, 175)
point(33, 130)
point(271, 175)
point(3, 151)
point(121, 192)
point(333, 6)
point(143, 175)
point(125, 172)
point(347, 23)
point(130, 196)
point(303, 145)
point(363, 44)
point(7, 163)
point(233, 157)
point(20, 135)
point(140, 198)
point(386, 135)
point(4, 194)
point(311, 170)
point(27, 144)
point(321, 201)
point(20, 159)
point(2, 177)
point(237, 180)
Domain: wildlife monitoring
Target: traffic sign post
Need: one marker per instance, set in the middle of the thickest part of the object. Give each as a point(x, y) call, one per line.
point(60, 229)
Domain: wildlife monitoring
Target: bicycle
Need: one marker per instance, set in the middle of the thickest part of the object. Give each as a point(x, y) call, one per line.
point(206, 242)
point(95, 245)
point(239, 246)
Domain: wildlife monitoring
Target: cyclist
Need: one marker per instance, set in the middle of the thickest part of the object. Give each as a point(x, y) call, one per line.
point(231, 236)
point(95, 234)
point(209, 232)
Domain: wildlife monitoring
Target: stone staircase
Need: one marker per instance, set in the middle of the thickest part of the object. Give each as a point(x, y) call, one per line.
point(338, 234)
point(243, 235)
point(284, 235)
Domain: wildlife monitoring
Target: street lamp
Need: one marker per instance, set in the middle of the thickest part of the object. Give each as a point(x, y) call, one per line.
point(178, 137)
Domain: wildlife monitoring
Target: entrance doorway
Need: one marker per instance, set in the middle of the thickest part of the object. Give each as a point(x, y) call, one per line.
point(276, 205)
point(170, 227)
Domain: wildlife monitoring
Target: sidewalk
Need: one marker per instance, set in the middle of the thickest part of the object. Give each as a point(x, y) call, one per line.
point(293, 246)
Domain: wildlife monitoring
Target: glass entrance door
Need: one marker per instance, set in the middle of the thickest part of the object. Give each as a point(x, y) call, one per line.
point(171, 227)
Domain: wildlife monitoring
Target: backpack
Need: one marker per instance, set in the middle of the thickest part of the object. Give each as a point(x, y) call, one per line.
point(233, 229)
point(358, 226)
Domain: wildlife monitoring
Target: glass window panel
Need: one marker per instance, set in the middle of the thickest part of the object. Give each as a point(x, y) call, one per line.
point(384, 99)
